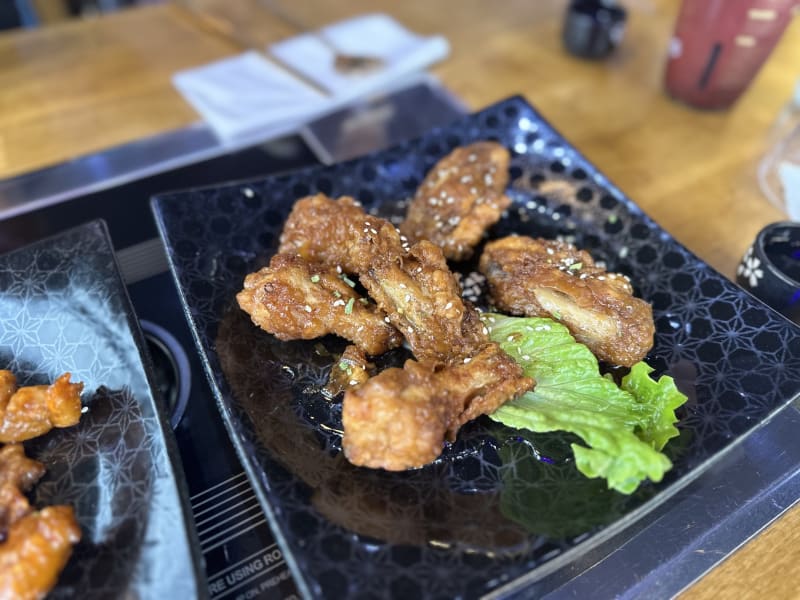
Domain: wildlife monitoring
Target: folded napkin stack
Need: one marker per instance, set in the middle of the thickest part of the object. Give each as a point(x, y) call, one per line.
point(249, 94)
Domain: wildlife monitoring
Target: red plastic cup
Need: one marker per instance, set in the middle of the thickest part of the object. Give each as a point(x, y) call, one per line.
point(720, 45)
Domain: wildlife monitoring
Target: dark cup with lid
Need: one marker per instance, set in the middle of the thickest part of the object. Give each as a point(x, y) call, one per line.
point(770, 269)
point(593, 28)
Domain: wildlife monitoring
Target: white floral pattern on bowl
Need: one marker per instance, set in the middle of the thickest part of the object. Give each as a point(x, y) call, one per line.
point(750, 268)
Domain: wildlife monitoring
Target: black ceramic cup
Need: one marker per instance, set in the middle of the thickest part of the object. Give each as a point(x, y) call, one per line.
point(770, 269)
point(593, 28)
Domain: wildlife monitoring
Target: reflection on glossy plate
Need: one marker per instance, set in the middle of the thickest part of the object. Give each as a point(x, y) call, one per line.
point(64, 308)
point(498, 511)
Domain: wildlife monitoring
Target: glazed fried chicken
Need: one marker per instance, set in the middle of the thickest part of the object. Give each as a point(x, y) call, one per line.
point(422, 298)
point(36, 549)
point(18, 469)
point(294, 299)
point(548, 278)
point(35, 545)
point(413, 286)
point(18, 473)
point(352, 369)
point(31, 411)
point(400, 418)
point(459, 199)
point(337, 233)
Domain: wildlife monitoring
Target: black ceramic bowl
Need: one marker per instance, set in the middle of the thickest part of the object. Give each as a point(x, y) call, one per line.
point(770, 269)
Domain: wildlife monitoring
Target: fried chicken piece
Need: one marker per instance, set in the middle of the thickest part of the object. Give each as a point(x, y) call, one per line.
point(33, 410)
point(320, 229)
point(13, 506)
point(293, 299)
point(459, 199)
point(400, 418)
point(422, 298)
point(548, 278)
point(351, 370)
point(37, 548)
point(414, 287)
point(18, 469)
point(36, 545)
point(8, 385)
point(18, 473)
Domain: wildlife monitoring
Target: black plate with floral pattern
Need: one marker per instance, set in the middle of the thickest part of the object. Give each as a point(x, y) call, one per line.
point(64, 308)
point(498, 511)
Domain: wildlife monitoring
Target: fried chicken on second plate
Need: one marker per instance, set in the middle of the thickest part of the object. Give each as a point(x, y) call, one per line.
point(338, 233)
point(422, 298)
point(462, 195)
point(400, 418)
point(294, 299)
point(413, 286)
point(549, 278)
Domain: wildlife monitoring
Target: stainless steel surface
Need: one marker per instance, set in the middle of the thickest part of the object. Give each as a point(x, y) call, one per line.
point(150, 156)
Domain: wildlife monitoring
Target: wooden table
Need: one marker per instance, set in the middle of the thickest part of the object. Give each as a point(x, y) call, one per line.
point(75, 88)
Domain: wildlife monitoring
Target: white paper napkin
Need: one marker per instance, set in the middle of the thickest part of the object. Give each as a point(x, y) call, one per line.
point(375, 35)
point(248, 94)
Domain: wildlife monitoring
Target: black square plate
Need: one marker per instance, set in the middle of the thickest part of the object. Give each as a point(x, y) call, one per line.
point(64, 308)
point(495, 513)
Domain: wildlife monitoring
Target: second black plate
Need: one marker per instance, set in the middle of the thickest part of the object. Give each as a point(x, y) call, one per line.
point(492, 514)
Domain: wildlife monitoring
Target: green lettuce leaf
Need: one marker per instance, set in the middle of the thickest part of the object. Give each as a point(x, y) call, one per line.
point(624, 429)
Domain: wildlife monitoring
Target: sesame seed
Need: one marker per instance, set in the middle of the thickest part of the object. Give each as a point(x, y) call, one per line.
point(448, 306)
point(472, 158)
point(339, 302)
point(353, 382)
point(307, 308)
